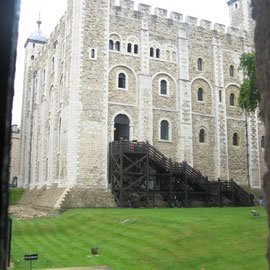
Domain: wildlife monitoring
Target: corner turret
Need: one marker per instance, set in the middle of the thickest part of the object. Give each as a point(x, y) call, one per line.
point(240, 15)
point(37, 36)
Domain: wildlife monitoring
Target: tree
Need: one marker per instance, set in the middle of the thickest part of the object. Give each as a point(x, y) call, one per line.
point(249, 96)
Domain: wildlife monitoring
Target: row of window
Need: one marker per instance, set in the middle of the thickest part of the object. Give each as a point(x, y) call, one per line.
point(200, 67)
point(134, 48)
point(200, 96)
point(163, 89)
point(131, 48)
point(164, 135)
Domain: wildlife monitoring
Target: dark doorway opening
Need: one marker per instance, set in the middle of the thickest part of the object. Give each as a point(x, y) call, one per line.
point(121, 127)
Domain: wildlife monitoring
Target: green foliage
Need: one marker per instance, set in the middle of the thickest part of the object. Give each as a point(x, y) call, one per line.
point(154, 239)
point(249, 96)
point(15, 195)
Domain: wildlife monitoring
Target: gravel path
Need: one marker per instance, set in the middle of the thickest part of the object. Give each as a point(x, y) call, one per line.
point(26, 212)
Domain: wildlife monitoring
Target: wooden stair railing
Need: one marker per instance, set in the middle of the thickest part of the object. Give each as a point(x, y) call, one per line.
point(193, 178)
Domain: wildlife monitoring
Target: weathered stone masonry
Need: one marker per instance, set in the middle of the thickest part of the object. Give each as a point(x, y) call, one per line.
point(74, 91)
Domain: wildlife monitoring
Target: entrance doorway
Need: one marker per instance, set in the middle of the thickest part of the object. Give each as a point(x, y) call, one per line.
point(121, 127)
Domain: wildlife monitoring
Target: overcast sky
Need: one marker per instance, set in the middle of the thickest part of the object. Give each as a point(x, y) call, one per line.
point(53, 10)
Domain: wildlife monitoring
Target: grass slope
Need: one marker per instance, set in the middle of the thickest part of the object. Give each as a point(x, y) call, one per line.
point(15, 195)
point(188, 239)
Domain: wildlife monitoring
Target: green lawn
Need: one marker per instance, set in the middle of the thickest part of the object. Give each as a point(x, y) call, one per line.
point(188, 239)
point(14, 195)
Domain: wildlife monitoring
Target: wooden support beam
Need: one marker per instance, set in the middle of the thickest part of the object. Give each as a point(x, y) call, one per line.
point(232, 191)
point(147, 174)
point(219, 193)
point(171, 182)
point(186, 194)
point(121, 176)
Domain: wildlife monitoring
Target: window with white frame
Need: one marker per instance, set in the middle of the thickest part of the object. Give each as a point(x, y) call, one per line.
point(122, 81)
point(129, 48)
point(200, 64)
point(52, 64)
point(232, 99)
point(231, 71)
point(117, 46)
point(93, 53)
point(202, 136)
point(61, 88)
point(163, 87)
point(136, 48)
point(164, 130)
point(200, 94)
point(151, 52)
point(111, 44)
point(235, 139)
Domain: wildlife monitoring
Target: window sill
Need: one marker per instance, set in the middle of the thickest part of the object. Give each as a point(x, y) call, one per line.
point(162, 95)
point(164, 141)
point(121, 89)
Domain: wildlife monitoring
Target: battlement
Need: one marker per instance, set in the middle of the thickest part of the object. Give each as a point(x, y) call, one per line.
point(176, 17)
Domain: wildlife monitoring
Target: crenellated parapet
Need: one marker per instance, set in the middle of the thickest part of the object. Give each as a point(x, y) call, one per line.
point(173, 18)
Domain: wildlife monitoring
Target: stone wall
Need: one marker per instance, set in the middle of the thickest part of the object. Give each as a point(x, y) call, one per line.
point(74, 106)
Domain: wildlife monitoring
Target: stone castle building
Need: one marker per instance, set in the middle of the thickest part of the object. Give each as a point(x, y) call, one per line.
point(110, 71)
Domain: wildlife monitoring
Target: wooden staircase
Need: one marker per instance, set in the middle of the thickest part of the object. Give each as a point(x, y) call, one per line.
point(141, 176)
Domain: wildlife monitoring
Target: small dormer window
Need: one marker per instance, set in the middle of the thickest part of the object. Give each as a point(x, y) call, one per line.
point(34, 45)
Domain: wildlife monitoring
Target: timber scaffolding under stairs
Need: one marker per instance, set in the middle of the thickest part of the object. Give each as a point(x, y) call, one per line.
point(141, 176)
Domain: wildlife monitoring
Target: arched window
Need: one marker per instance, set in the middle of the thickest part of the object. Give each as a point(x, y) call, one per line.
point(136, 48)
point(157, 53)
point(174, 56)
point(235, 139)
point(122, 80)
point(151, 52)
point(117, 46)
point(111, 45)
point(200, 94)
point(129, 48)
point(164, 130)
point(44, 76)
point(93, 53)
point(51, 100)
point(262, 142)
point(52, 64)
point(231, 70)
point(163, 87)
point(61, 86)
point(232, 98)
point(202, 136)
point(199, 64)
point(168, 56)
point(32, 57)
